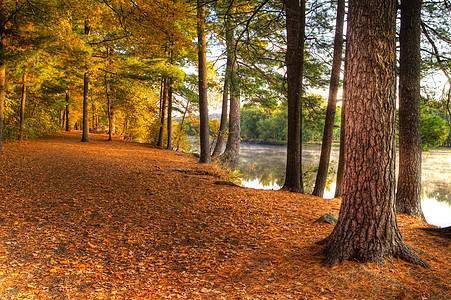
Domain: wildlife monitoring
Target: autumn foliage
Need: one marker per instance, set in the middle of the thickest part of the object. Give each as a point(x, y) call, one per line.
point(122, 220)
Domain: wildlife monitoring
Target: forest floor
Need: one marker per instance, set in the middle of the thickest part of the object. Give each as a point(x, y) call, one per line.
point(115, 220)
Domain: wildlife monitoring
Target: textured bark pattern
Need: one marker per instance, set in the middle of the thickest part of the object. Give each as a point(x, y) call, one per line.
point(367, 228)
point(204, 130)
point(323, 168)
point(295, 25)
point(408, 195)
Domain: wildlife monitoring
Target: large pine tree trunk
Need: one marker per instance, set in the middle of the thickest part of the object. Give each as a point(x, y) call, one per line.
point(22, 105)
point(326, 146)
point(204, 130)
point(367, 228)
point(295, 25)
point(408, 195)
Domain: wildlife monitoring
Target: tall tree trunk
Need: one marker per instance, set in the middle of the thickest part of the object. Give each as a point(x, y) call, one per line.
point(170, 92)
point(341, 155)
point(110, 124)
point(204, 130)
point(113, 119)
point(408, 195)
point(321, 177)
point(67, 111)
point(224, 115)
point(85, 108)
point(231, 154)
point(22, 105)
point(84, 137)
point(367, 229)
point(225, 93)
point(2, 94)
point(163, 98)
point(295, 24)
point(181, 125)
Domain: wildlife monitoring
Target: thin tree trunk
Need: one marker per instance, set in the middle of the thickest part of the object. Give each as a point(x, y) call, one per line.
point(231, 154)
point(204, 131)
point(367, 229)
point(67, 111)
point(2, 71)
point(225, 94)
point(2, 93)
point(85, 137)
point(295, 23)
point(170, 92)
point(110, 124)
point(326, 146)
point(181, 125)
point(113, 119)
point(341, 155)
point(408, 195)
point(163, 98)
point(22, 105)
point(223, 125)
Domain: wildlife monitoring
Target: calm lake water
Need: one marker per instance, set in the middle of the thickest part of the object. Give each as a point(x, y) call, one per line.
point(263, 167)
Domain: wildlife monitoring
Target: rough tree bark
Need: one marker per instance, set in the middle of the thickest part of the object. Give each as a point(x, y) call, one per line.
point(323, 168)
point(204, 130)
point(367, 229)
point(295, 26)
point(22, 105)
point(408, 195)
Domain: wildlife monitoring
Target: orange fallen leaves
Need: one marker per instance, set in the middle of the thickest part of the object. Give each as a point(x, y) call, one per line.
point(118, 225)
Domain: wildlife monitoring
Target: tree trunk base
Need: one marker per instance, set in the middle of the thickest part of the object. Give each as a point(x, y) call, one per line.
point(337, 252)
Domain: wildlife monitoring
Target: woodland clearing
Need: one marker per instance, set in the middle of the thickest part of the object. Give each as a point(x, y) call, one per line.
point(119, 220)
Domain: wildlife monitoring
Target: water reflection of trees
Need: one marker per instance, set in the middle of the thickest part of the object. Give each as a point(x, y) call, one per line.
point(441, 195)
point(270, 167)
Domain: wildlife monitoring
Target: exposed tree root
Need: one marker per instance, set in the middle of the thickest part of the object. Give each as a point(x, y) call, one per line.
point(336, 253)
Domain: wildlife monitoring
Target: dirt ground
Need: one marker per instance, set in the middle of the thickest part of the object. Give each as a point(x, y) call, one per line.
point(121, 220)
